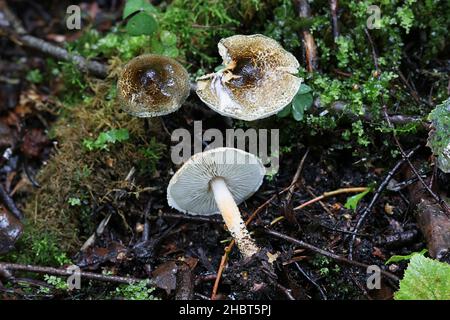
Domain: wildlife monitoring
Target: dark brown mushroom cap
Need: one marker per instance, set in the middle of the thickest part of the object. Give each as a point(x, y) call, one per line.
point(152, 85)
point(258, 79)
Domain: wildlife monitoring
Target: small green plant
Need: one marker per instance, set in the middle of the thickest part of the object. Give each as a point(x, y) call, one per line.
point(106, 138)
point(142, 21)
point(151, 153)
point(302, 101)
point(73, 201)
point(398, 258)
point(57, 282)
point(35, 76)
point(439, 137)
point(425, 279)
point(352, 202)
point(135, 291)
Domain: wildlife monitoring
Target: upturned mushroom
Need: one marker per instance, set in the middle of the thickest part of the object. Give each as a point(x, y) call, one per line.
point(257, 81)
point(216, 181)
point(152, 85)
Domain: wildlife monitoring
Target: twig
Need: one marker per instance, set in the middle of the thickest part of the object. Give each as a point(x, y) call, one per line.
point(9, 203)
point(304, 12)
point(326, 253)
point(331, 194)
point(314, 283)
point(435, 196)
point(322, 204)
point(375, 198)
point(19, 36)
point(341, 106)
point(374, 51)
point(286, 291)
point(186, 217)
point(295, 179)
point(64, 272)
point(334, 19)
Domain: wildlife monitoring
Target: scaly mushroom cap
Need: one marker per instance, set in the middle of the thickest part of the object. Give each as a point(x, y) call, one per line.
point(189, 189)
point(152, 85)
point(257, 80)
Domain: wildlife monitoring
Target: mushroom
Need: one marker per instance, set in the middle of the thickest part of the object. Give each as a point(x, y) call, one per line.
point(258, 79)
point(216, 181)
point(152, 85)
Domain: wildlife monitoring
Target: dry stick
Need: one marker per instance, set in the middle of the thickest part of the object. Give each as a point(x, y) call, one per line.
point(9, 203)
point(304, 12)
point(295, 179)
point(341, 106)
point(315, 284)
point(64, 272)
point(326, 253)
point(228, 248)
point(334, 19)
point(435, 196)
point(331, 194)
point(375, 198)
point(374, 52)
point(20, 37)
point(323, 196)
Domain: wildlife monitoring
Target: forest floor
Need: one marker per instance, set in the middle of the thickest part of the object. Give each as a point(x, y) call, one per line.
point(359, 182)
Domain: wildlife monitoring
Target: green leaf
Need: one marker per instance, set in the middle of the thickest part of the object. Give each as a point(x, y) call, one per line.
point(304, 89)
point(168, 39)
point(141, 23)
point(425, 279)
point(172, 52)
point(301, 103)
point(105, 138)
point(352, 202)
point(285, 112)
point(133, 6)
point(398, 258)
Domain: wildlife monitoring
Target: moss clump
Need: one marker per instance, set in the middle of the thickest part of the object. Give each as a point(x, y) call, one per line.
point(76, 180)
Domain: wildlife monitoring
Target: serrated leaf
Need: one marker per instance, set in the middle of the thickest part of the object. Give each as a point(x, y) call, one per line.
point(425, 279)
point(141, 23)
point(133, 6)
point(285, 112)
point(300, 103)
point(352, 202)
point(398, 258)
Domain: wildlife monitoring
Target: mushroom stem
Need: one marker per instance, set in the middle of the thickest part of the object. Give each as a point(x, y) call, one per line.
point(232, 217)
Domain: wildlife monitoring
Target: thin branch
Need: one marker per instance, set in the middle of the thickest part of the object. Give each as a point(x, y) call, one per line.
point(9, 203)
point(334, 19)
point(295, 179)
point(375, 198)
point(341, 106)
point(20, 37)
point(326, 253)
point(331, 194)
point(304, 12)
point(65, 272)
point(435, 196)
